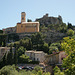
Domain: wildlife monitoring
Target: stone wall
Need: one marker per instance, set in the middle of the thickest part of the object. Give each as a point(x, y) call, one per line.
point(9, 30)
point(45, 20)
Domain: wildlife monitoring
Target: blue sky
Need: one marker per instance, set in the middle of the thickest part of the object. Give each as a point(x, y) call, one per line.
point(10, 10)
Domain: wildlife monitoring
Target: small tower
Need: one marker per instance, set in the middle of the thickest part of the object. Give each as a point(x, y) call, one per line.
point(23, 17)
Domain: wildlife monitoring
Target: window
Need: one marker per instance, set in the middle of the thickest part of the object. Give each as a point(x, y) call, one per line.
point(22, 18)
point(61, 58)
point(37, 59)
point(34, 59)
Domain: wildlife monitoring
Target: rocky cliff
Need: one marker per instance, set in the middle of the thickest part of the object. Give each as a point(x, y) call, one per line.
point(45, 20)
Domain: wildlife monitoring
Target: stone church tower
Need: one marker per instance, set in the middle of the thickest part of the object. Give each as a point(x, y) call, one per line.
point(23, 17)
point(24, 26)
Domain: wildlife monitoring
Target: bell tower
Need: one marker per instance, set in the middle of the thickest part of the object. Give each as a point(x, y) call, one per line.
point(23, 17)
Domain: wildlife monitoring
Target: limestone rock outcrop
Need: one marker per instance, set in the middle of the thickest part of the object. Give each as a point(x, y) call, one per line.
point(45, 20)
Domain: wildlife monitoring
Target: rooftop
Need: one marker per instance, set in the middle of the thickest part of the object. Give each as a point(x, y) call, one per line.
point(34, 51)
point(29, 22)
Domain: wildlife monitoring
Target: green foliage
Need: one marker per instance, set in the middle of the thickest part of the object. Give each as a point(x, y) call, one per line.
point(37, 40)
point(57, 27)
point(8, 70)
point(54, 47)
point(68, 45)
point(24, 59)
point(69, 64)
point(57, 71)
point(37, 68)
point(3, 61)
point(56, 44)
point(10, 56)
point(21, 50)
point(70, 32)
point(70, 26)
point(13, 37)
point(26, 43)
point(11, 70)
point(15, 56)
point(23, 72)
point(29, 20)
point(1, 32)
point(45, 48)
point(3, 38)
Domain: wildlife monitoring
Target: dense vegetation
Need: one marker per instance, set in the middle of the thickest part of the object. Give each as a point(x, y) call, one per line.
point(68, 45)
point(11, 70)
point(37, 42)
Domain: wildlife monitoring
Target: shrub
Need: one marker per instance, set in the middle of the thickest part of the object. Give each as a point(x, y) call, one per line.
point(70, 32)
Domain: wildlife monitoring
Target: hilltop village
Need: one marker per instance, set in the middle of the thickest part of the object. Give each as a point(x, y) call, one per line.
point(43, 43)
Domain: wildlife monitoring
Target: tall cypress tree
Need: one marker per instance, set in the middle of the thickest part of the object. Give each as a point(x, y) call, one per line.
point(30, 45)
point(10, 57)
point(4, 60)
point(15, 56)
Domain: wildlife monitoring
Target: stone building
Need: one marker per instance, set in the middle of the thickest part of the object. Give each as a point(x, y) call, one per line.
point(55, 58)
point(24, 26)
point(9, 30)
point(36, 55)
point(46, 20)
point(4, 50)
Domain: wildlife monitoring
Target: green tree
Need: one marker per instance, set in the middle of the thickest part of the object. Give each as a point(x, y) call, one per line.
point(3, 38)
point(53, 49)
point(3, 61)
point(37, 40)
point(13, 37)
point(1, 31)
point(8, 70)
point(26, 43)
point(21, 50)
point(15, 57)
point(57, 71)
point(45, 48)
point(68, 45)
point(10, 57)
point(69, 64)
point(24, 59)
point(70, 26)
point(37, 68)
point(29, 20)
point(70, 32)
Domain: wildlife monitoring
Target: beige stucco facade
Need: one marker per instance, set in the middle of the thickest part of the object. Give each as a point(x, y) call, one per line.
point(36, 55)
point(23, 26)
point(26, 26)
